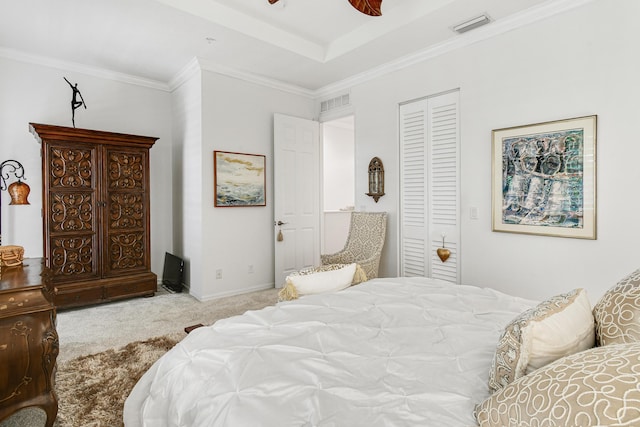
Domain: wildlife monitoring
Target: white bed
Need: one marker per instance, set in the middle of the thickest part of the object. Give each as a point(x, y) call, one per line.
point(388, 352)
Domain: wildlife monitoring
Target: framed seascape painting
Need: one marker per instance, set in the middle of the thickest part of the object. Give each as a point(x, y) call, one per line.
point(544, 178)
point(239, 179)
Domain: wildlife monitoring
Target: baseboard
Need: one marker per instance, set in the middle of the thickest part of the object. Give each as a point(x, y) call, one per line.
point(233, 293)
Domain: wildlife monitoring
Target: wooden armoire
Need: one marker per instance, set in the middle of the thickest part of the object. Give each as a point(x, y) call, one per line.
point(96, 222)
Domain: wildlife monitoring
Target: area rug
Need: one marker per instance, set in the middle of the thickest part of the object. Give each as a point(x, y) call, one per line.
point(92, 389)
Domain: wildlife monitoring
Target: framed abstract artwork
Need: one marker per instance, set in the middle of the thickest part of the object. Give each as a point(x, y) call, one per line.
point(544, 178)
point(239, 179)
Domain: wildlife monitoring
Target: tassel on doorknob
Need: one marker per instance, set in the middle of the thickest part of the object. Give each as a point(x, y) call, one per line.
point(280, 237)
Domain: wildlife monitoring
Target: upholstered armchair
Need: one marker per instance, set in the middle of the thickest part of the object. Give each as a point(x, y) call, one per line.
point(364, 244)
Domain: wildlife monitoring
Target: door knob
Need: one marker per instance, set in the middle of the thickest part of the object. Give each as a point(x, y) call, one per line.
point(279, 223)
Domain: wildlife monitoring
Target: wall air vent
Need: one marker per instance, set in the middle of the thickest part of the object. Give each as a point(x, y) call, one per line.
point(333, 103)
point(472, 23)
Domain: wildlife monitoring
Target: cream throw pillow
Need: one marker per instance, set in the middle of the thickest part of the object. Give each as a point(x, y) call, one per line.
point(556, 327)
point(617, 314)
point(325, 278)
point(596, 387)
point(323, 281)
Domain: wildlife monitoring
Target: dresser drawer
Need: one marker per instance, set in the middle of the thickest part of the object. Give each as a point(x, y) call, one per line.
point(129, 288)
point(27, 301)
point(28, 340)
point(24, 348)
point(75, 297)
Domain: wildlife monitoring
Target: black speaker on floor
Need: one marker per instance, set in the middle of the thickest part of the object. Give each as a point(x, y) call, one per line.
point(173, 272)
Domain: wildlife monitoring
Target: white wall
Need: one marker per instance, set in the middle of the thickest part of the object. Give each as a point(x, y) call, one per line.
point(338, 163)
point(237, 116)
point(338, 166)
point(187, 179)
point(37, 93)
point(578, 63)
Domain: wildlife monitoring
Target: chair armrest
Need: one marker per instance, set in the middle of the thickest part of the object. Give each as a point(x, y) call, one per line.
point(336, 258)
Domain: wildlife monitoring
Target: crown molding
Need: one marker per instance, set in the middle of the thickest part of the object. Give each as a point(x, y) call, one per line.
point(82, 68)
point(254, 78)
point(380, 26)
point(495, 28)
point(186, 73)
point(248, 25)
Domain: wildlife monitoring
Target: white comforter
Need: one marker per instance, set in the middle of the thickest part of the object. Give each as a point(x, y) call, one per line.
point(389, 352)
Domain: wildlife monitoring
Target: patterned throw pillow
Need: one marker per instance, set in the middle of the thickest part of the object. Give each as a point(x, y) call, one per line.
point(596, 387)
point(617, 314)
point(556, 327)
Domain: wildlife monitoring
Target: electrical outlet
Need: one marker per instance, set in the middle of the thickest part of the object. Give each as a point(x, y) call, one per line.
point(219, 274)
point(250, 269)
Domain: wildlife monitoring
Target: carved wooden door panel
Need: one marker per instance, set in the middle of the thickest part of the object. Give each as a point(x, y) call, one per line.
point(72, 210)
point(126, 225)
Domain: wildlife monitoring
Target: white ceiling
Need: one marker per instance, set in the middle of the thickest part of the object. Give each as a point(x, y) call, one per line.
point(307, 44)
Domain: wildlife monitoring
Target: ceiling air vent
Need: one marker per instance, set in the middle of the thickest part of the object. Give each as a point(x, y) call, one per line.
point(333, 103)
point(472, 23)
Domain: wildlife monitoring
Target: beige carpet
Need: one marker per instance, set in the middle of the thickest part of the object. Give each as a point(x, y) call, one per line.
point(94, 329)
point(91, 390)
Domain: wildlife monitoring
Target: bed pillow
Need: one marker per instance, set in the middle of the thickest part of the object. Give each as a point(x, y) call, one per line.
point(325, 278)
point(617, 314)
point(556, 327)
point(596, 387)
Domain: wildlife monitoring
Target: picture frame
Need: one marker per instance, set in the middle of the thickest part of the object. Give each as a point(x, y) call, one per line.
point(239, 179)
point(544, 178)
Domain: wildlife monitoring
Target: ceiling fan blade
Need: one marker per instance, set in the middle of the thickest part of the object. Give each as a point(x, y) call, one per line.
point(272, 1)
point(368, 7)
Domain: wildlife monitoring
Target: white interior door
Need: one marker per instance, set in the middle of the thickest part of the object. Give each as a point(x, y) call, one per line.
point(296, 162)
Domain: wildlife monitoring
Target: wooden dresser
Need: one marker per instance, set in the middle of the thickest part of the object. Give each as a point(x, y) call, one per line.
point(96, 214)
point(28, 340)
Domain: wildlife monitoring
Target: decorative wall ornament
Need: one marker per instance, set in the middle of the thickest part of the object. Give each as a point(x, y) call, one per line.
point(75, 104)
point(443, 253)
point(544, 178)
point(376, 179)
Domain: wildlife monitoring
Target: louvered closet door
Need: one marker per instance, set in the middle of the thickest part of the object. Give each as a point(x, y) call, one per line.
point(430, 202)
